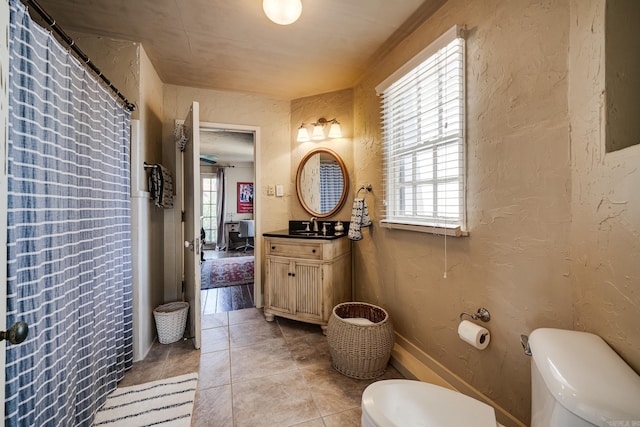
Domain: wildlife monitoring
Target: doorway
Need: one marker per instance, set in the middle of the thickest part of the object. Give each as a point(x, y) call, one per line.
point(234, 149)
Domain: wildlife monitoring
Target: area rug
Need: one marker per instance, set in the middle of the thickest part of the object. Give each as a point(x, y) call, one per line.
point(221, 272)
point(167, 402)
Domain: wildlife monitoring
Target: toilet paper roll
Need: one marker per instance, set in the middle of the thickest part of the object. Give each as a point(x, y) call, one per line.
point(473, 334)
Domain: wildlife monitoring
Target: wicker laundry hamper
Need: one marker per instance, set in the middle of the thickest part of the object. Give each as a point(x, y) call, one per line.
point(171, 320)
point(360, 337)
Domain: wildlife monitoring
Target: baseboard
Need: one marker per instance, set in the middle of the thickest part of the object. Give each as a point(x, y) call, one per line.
point(413, 363)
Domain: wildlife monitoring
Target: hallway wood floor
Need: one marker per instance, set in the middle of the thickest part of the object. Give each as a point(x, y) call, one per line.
point(230, 298)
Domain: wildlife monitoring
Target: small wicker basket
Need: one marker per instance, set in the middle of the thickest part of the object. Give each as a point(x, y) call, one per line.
point(171, 320)
point(360, 348)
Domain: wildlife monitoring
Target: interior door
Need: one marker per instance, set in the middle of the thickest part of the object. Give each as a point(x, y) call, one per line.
point(191, 224)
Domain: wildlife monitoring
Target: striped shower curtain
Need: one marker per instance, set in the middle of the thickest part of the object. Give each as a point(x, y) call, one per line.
point(331, 186)
point(69, 238)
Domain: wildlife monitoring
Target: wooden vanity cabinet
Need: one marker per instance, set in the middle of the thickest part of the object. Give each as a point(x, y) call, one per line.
point(306, 278)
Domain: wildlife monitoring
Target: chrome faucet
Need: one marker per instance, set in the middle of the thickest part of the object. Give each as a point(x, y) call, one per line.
point(324, 228)
point(314, 221)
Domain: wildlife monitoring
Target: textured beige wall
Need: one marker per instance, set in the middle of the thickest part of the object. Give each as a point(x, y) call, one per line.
point(274, 165)
point(118, 60)
point(605, 231)
point(515, 261)
point(151, 108)
point(150, 245)
point(308, 110)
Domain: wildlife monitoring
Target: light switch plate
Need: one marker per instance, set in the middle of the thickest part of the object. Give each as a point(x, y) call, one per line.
point(279, 190)
point(271, 190)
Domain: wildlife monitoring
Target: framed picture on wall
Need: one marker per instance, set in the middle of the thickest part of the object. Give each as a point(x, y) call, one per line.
point(245, 197)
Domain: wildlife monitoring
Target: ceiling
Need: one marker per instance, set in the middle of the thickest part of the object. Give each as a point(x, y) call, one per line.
point(226, 148)
point(231, 45)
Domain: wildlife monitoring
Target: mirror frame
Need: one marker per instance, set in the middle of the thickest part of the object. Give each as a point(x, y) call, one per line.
point(345, 187)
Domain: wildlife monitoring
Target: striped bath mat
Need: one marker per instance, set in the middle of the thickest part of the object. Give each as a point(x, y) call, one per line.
point(167, 402)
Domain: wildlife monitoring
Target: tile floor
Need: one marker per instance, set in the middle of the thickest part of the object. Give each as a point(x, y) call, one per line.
point(258, 373)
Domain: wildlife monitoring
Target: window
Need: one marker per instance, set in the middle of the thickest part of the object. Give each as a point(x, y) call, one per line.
point(423, 139)
point(210, 207)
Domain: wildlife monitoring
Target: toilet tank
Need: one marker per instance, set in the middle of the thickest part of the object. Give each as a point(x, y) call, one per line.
point(578, 380)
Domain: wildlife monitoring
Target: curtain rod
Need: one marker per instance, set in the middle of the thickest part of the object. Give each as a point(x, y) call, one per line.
point(82, 56)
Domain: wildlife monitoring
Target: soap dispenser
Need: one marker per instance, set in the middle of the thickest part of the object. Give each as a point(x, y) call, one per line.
point(338, 228)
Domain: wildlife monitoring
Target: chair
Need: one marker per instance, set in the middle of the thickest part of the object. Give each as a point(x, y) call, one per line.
point(245, 231)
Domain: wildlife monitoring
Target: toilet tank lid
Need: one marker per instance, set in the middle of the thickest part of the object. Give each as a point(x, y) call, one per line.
point(586, 376)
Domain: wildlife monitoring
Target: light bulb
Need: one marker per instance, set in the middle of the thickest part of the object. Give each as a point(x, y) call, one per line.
point(282, 12)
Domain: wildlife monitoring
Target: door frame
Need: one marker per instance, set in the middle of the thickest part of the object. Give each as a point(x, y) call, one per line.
point(257, 200)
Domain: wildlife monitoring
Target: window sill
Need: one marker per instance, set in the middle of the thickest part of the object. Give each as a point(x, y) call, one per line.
point(440, 231)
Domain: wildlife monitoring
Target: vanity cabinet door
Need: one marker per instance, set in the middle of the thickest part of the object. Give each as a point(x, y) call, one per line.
point(278, 290)
point(308, 291)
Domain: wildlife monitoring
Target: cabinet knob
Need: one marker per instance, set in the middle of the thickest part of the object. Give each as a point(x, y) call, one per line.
point(273, 248)
point(293, 274)
point(313, 251)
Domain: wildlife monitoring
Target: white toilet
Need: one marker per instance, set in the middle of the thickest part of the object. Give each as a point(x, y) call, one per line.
point(577, 380)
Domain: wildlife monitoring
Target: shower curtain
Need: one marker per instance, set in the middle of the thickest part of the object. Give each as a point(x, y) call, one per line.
point(68, 230)
point(331, 186)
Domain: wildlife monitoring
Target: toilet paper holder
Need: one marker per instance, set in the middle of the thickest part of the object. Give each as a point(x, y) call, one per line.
point(483, 314)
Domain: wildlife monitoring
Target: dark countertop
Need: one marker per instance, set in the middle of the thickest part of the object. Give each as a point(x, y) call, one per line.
point(302, 235)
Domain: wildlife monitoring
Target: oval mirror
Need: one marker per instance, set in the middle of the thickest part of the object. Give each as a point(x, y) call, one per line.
point(322, 182)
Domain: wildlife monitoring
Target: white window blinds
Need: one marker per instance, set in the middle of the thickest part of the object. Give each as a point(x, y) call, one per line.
point(423, 137)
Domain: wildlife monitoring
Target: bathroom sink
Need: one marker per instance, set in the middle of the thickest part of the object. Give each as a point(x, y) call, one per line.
point(305, 233)
point(309, 234)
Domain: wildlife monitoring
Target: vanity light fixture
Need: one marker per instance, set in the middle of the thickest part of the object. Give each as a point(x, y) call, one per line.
point(282, 12)
point(318, 133)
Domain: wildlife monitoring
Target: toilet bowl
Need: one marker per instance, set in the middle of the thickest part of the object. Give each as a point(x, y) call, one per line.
point(577, 380)
point(392, 403)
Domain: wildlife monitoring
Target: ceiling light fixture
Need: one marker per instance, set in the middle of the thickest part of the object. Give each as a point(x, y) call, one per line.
point(282, 12)
point(318, 130)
